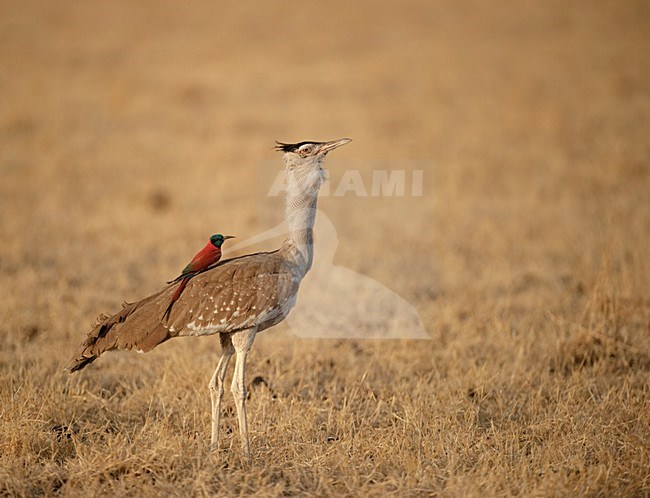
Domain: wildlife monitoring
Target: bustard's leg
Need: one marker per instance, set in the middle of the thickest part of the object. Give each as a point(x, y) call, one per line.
point(216, 386)
point(242, 341)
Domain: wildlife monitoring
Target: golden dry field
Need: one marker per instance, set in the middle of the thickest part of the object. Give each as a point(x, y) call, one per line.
point(132, 131)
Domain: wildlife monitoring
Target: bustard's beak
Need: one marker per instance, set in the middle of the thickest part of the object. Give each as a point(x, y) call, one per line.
point(228, 237)
point(328, 146)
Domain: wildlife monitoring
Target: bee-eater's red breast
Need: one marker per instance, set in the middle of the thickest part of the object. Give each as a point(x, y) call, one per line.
point(206, 257)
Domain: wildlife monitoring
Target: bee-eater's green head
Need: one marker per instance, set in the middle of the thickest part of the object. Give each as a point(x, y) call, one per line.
point(217, 239)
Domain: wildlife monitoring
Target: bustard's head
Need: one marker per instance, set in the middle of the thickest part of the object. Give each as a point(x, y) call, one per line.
point(308, 155)
point(217, 239)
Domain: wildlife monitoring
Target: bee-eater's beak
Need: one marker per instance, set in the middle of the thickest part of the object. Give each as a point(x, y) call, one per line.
point(328, 146)
point(228, 237)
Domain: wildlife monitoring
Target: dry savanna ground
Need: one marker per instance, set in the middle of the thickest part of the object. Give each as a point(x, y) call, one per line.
point(131, 131)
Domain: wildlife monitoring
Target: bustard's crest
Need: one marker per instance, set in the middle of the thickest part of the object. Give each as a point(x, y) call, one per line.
point(310, 148)
point(282, 147)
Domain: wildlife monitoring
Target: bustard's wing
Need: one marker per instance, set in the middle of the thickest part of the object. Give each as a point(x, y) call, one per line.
point(238, 294)
point(257, 290)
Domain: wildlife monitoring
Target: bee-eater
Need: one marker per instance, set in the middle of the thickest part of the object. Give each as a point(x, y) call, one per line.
point(206, 257)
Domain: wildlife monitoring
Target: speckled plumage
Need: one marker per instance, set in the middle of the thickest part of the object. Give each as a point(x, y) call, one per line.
point(256, 290)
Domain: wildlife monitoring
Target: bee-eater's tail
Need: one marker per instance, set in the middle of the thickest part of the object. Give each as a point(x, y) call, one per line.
point(175, 297)
point(167, 311)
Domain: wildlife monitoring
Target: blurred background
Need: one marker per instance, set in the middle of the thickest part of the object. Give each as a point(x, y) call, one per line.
point(132, 131)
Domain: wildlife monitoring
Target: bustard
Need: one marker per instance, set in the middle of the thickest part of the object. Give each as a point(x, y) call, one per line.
point(236, 299)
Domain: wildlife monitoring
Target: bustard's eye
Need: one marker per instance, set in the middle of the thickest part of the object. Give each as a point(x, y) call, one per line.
point(306, 150)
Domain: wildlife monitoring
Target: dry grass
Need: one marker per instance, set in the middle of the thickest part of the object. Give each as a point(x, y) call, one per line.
point(132, 131)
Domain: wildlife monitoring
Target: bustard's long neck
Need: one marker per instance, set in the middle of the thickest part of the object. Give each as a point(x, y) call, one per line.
point(301, 204)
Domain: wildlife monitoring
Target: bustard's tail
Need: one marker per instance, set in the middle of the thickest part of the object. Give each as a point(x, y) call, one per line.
point(137, 326)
